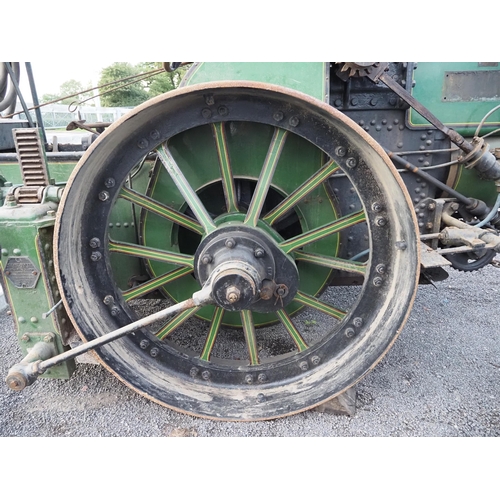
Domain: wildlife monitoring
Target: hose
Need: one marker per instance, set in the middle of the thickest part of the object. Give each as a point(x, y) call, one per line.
point(490, 216)
point(8, 97)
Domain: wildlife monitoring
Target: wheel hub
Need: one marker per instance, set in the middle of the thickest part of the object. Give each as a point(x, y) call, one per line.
point(247, 269)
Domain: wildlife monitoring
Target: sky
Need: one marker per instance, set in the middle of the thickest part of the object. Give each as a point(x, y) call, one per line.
point(49, 77)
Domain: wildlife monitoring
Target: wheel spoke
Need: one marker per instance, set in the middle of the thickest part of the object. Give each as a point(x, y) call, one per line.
point(248, 328)
point(308, 300)
point(301, 192)
point(331, 262)
point(160, 209)
point(212, 334)
point(219, 133)
point(152, 253)
point(322, 232)
point(266, 176)
point(293, 332)
point(176, 322)
point(156, 283)
point(185, 188)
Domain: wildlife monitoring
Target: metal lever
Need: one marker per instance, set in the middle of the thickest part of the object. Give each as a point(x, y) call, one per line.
point(37, 362)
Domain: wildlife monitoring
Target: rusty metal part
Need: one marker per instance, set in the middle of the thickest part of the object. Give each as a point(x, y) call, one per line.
point(468, 234)
point(172, 66)
point(27, 371)
point(430, 258)
point(485, 163)
point(41, 357)
point(95, 128)
point(361, 69)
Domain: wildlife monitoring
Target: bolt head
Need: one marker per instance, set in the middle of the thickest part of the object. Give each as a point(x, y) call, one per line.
point(104, 196)
point(95, 256)
point(205, 375)
point(248, 379)
point(230, 243)
point(349, 333)
point(154, 352)
point(259, 253)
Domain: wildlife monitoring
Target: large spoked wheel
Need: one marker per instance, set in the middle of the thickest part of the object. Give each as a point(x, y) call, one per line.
point(238, 188)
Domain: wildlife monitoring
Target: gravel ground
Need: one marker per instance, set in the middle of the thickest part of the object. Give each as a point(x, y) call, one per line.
point(439, 379)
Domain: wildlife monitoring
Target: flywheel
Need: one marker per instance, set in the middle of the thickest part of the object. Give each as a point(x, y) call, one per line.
point(233, 184)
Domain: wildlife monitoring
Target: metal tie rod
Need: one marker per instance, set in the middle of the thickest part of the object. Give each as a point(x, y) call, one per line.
point(28, 370)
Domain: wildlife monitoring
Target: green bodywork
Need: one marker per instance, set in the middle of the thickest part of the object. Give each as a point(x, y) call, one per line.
point(459, 94)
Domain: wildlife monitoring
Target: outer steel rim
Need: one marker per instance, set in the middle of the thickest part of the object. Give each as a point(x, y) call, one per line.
point(344, 358)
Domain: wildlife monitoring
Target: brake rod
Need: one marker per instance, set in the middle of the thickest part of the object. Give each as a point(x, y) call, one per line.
point(38, 359)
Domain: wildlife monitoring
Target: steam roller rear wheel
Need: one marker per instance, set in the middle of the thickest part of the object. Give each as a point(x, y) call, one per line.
point(240, 183)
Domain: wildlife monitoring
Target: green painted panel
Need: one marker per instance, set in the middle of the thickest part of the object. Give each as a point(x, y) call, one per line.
point(309, 77)
point(460, 94)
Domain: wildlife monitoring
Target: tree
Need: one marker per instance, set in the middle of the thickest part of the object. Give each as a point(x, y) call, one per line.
point(129, 95)
point(68, 88)
point(162, 82)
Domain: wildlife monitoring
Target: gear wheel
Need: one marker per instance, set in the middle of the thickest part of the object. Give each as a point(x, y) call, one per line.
point(357, 69)
point(471, 261)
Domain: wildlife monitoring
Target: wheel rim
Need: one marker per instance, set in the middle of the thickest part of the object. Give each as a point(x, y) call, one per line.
point(188, 371)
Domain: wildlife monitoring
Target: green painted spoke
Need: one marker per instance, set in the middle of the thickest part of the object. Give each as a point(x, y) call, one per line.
point(156, 283)
point(248, 328)
point(322, 232)
point(219, 133)
point(290, 328)
point(331, 262)
point(151, 253)
point(266, 176)
point(176, 322)
point(308, 300)
point(212, 334)
point(301, 192)
point(160, 209)
point(186, 190)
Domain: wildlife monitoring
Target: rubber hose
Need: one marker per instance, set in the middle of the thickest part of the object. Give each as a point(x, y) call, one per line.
point(10, 97)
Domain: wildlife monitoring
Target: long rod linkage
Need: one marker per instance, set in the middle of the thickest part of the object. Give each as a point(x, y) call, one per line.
point(28, 370)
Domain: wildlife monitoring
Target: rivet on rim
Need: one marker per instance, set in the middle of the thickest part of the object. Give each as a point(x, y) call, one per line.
point(154, 352)
point(340, 151)
point(109, 182)
point(294, 121)
point(194, 371)
point(358, 322)
point(205, 375)
point(95, 256)
point(349, 333)
point(278, 116)
point(377, 281)
point(144, 344)
point(95, 243)
point(303, 365)
point(142, 143)
point(351, 162)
